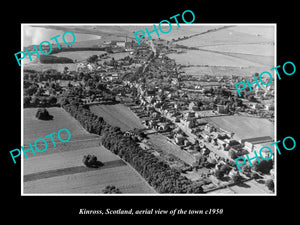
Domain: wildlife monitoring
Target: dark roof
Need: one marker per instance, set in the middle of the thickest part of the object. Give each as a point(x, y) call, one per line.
point(257, 140)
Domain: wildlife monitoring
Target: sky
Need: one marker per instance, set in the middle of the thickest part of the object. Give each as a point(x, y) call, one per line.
point(35, 35)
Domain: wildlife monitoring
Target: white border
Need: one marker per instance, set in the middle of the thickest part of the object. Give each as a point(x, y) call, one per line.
point(148, 24)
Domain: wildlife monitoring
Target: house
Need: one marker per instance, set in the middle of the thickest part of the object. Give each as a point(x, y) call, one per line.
point(194, 106)
point(223, 109)
point(206, 137)
point(189, 115)
point(233, 172)
point(249, 146)
point(269, 107)
point(266, 153)
point(179, 139)
point(205, 151)
point(163, 126)
point(120, 44)
point(191, 123)
point(209, 128)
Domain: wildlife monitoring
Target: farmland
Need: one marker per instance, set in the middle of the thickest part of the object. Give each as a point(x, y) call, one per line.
point(224, 36)
point(199, 57)
point(117, 115)
point(223, 70)
point(244, 127)
point(60, 170)
point(235, 50)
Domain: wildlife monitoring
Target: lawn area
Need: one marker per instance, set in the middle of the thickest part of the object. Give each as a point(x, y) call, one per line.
point(34, 128)
point(244, 127)
point(117, 115)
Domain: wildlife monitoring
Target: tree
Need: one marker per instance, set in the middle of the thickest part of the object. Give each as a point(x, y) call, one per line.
point(35, 101)
point(219, 174)
point(52, 100)
point(225, 169)
point(110, 189)
point(66, 70)
point(246, 169)
point(43, 114)
point(236, 178)
point(232, 154)
point(31, 90)
point(26, 101)
point(92, 59)
point(270, 184)
point(264, 166)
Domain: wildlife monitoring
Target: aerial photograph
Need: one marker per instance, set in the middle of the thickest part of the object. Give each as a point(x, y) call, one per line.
point(157, 116)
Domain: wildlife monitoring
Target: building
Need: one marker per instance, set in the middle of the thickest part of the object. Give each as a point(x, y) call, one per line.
point(223, 109)
point(120, 44)
point(251, 142)
point(179, 139)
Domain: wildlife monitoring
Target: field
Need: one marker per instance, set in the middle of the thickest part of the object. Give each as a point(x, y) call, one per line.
point(121, 116)
point(224, 70)
point(117, 115)
point(254, 49)
point(225, 36)
point(34, 128)
point(237, 50)
point(60, 170)
point(199, 57)
point(244, 127)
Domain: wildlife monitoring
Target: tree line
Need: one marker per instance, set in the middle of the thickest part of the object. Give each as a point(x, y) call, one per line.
point(155, 171)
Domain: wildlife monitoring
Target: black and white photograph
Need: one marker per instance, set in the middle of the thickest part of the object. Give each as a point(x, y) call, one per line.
point(129, 111)
point(159, 116)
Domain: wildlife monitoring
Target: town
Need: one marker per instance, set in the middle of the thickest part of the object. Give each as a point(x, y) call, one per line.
point(177, 111)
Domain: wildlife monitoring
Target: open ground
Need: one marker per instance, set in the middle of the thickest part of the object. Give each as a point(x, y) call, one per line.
point(60, 170)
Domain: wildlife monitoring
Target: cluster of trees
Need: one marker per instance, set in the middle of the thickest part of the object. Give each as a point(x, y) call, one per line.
point(270, 184)
point(73, 49)
point(91, 161)
point(156, 172)
point(224, 170)
point(264, 166)
point(110, 189)
point(92, 59)
point(34, 101)
point(43, 114)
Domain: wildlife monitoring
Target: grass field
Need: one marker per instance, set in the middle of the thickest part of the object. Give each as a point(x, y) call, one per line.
point(229, 51)
point(60, 170)
point(244, 127)
point(254, 49)
point(34, 128)
point(198, 57)
point(117, 115)
point(224, 70)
